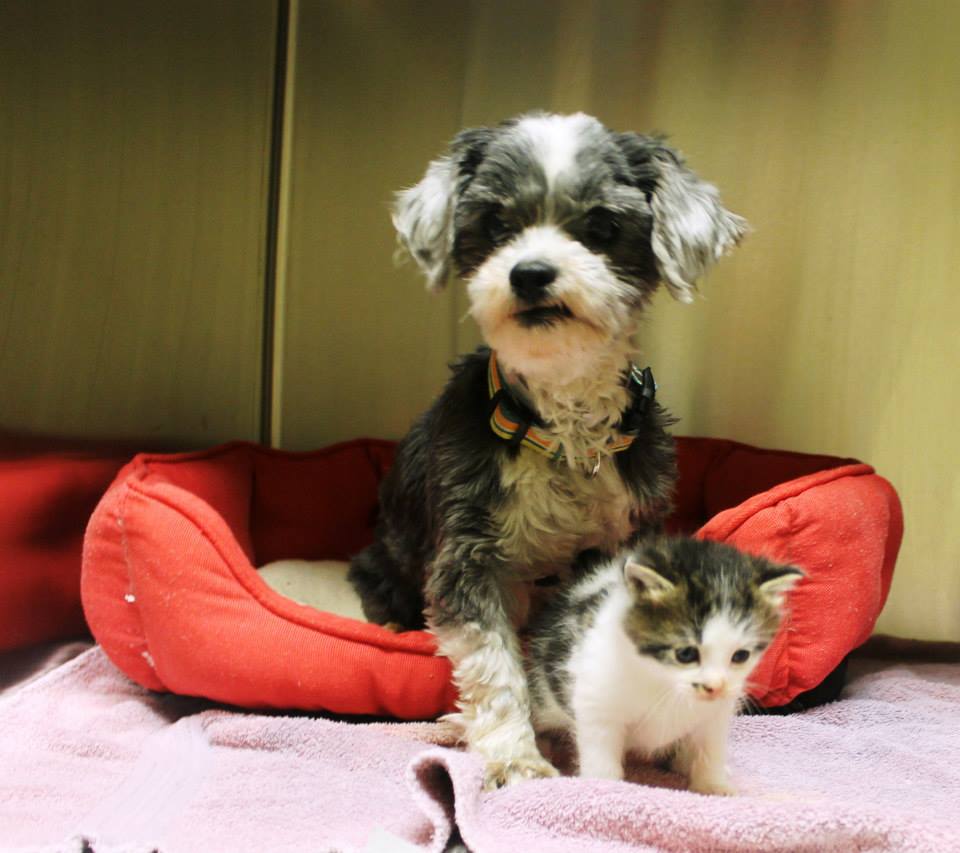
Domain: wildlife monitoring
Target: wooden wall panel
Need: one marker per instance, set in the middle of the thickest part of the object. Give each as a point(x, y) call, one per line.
point(361, 347)
point(134, 143)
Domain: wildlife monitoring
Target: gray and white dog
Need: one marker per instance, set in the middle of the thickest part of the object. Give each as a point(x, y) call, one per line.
point(546, 446)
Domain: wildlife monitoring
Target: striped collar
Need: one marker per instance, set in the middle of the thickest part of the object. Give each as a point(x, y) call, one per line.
point(515, 422)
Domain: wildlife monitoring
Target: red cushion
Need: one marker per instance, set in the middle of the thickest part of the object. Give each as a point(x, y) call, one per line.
point(45, 501)
point(171, 593)
point(170, 589)
point(841, 523)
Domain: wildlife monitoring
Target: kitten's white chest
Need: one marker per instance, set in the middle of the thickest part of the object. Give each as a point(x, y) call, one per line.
point(610, 681)
point(651, 733)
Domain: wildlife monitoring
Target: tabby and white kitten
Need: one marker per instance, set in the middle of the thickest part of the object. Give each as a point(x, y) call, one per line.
point(651, 653)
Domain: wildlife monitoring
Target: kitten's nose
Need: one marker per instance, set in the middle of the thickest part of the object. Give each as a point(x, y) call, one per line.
point(712, 689)
point(529, 280)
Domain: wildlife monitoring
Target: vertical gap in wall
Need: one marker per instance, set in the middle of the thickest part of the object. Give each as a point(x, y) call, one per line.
point(459, 304)
point(275, 266)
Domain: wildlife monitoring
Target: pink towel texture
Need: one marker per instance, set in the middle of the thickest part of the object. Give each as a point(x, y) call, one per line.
point(91, 762)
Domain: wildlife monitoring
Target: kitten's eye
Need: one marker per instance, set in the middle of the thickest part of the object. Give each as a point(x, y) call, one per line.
point(495, 225)
point(688, 654)
point(602, 227)
point(740, 655)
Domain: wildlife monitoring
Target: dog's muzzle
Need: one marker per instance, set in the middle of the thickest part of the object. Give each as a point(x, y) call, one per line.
point(529, 280)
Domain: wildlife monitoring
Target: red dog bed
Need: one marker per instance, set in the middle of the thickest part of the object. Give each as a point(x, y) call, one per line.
point(170, 590)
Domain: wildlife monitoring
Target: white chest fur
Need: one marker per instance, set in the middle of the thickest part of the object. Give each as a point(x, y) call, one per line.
point(612, 683)
point(552, 512)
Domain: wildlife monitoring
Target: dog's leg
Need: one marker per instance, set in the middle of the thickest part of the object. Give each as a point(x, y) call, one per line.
point(388, 593)
point(472, 619)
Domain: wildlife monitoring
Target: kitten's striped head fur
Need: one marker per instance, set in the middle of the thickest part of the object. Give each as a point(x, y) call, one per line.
point(702, 611)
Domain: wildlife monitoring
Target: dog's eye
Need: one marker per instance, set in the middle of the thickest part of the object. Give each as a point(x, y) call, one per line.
point(687, 654)
point(602, 227)
point(497, 228)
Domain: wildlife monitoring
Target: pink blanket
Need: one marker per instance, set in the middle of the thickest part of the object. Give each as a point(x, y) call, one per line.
point(89, 761)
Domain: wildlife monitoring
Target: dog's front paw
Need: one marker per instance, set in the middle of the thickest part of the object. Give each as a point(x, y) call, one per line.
point(498, 774)
point(713, 787)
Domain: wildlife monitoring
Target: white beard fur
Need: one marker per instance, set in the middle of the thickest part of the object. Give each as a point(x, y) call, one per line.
point(571, 372)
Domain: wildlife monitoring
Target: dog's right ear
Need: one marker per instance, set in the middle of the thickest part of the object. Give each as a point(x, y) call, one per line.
point(423, 214)
point(691, 228)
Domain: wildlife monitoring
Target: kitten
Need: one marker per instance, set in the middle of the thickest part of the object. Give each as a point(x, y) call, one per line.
point(651, 652)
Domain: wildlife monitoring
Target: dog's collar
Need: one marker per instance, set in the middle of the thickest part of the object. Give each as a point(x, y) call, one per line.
point(516, 423)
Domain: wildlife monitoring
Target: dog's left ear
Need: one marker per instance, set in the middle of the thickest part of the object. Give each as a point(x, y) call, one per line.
point(423, 214)
point(691, 228)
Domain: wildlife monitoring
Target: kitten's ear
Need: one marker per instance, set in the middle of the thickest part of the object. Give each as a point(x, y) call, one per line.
point(423, 214)
point(777, 581)
point(644, 581)
point(691, 228)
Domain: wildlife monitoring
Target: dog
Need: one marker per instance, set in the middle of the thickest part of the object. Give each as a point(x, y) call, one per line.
point(547, 448)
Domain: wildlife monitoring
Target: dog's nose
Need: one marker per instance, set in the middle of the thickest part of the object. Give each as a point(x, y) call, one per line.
point(529, 279)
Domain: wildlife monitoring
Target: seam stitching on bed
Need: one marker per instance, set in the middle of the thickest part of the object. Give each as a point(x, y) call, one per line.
point(127, 564)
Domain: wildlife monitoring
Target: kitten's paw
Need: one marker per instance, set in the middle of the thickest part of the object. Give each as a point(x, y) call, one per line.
point(498, 774)
point(713, 787)
point(601, 770)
